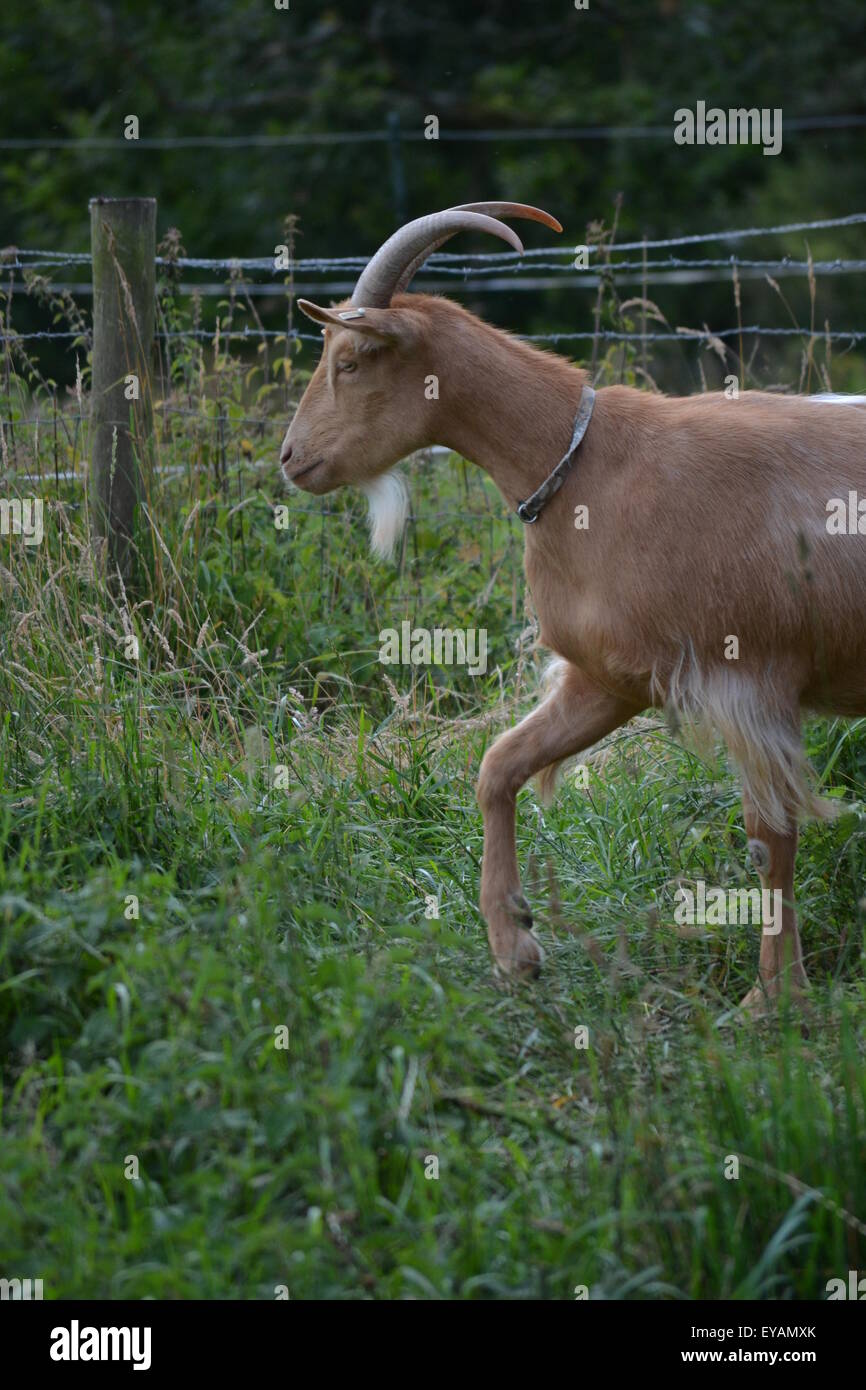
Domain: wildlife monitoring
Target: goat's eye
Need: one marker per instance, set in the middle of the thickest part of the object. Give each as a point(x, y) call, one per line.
point(348, 365)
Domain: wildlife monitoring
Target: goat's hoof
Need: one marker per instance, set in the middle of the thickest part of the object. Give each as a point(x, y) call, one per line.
point(516, 951)
point(763, 1000)
point(520, 910)
point(757, 1004)
point(522, 959)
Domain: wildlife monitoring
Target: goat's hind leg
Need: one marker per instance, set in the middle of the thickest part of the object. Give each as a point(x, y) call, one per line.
point(757, 714)
point(574, 716)
point(780, 966)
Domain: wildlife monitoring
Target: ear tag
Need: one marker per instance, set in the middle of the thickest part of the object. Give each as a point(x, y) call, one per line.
point(350, 314)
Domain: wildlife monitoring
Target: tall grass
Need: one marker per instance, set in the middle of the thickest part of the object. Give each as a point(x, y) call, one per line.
point(239, 1053)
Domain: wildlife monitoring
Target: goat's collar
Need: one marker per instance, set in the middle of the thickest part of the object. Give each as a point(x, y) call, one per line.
point(529, 510)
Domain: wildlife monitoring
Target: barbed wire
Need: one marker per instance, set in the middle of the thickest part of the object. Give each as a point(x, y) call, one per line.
point(679, 335)
point(578, 275)
point(684, 334)
point(222, 333)
point(442, 258)
point(162, 411)
point(483, 267)
point(489, 264)
point(395, 134)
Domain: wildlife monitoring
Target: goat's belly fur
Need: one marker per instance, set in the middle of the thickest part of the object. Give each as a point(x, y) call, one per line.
point(721, 572)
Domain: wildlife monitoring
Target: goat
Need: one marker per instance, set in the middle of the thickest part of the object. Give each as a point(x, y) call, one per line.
point(706, 520)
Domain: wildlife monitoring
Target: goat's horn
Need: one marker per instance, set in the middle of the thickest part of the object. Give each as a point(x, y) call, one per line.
point(529, 214)
point(394, 264)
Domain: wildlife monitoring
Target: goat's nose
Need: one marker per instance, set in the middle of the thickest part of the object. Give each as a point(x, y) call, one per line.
point(285, 453)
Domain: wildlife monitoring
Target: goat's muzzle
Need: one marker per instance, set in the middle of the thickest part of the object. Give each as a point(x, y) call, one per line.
point(298, 470)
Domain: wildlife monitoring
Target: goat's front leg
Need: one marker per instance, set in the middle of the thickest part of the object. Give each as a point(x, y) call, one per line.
point(574, 716)
point(780, 966)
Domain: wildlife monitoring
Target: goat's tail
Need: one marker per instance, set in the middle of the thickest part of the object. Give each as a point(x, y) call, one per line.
point(761, 733)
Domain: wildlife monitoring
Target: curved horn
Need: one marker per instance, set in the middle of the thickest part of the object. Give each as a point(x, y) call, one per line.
point(491, 210)
point(394, 264)
point(529, 214)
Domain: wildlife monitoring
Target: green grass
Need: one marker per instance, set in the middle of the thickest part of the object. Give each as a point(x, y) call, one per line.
point(296, 900)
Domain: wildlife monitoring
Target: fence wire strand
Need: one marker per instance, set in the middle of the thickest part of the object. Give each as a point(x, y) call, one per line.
point(477, 258)
point(299, 139)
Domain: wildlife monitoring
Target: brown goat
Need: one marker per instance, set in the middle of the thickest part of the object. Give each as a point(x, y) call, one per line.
point(706, 520)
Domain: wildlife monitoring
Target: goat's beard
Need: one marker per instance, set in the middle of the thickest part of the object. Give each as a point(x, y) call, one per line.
point(388, 499)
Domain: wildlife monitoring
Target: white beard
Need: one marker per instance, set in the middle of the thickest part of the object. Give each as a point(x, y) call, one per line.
point(388, 499)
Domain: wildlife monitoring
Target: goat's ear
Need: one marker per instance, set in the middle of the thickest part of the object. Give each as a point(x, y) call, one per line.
point(373, 323)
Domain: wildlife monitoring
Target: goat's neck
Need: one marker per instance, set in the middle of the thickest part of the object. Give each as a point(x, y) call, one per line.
point(506, 407)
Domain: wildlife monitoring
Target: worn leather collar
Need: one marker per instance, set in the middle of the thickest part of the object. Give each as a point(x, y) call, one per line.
point(529, 510)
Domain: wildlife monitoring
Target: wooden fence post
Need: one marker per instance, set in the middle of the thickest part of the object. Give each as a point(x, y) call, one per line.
point(123, 247)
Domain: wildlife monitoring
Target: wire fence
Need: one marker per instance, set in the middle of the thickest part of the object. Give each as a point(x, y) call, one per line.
point(794, 124)
point(487, 272)
point(558, 261)
point(491, 270)
point(853, 219)
point(681, 335)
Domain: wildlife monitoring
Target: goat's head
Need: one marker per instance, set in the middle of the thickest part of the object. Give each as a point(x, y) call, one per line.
point(369, 402)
